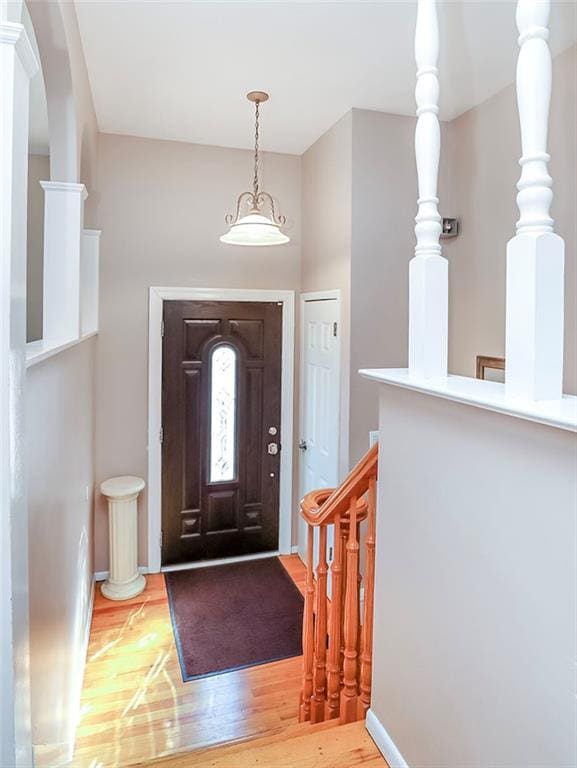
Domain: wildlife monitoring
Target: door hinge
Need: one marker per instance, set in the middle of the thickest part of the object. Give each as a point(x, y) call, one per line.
point(162, 330)
point(161, 435)
point(334, 329)
point(160, 538)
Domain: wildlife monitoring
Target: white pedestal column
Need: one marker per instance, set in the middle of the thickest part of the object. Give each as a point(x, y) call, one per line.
point(124, 580)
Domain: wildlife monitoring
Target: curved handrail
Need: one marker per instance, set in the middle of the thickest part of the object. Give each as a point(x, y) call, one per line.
point(317, 510)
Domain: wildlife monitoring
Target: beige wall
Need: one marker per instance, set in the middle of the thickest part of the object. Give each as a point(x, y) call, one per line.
point(358, 203)
point(474, 642)
point(59, 434)
point(161, 210)
point(326, 241)
point(38, 170)
point(483, 147)
point(383, 207)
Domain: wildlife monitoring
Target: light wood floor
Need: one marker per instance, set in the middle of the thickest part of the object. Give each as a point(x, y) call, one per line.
point(135, 706)
point(326, 746)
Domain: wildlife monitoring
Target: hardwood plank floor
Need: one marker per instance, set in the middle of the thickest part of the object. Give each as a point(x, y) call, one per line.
point(327, 745)
point(135, 706)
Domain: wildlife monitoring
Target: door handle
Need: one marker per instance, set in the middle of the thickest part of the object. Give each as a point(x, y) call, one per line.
point(303, 445)
point(272, 448)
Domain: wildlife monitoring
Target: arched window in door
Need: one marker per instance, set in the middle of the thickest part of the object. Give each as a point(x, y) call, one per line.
point(223, 398)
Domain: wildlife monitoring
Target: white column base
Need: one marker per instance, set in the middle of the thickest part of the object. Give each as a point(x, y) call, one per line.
point(124, 580)
point(123, 591)
point(535, 316)
point(428, 317)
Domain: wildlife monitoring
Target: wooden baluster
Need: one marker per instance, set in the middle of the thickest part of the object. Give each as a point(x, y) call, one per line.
point(308, 632)
point(367, 632)
point(348, 711)
point(536, 255)
point(344, 537)
point(335, 633)
point(320, 656)
point(428, 270)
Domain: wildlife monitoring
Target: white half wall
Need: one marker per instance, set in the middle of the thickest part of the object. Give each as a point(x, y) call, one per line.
point(475, 599)
point(59, 435)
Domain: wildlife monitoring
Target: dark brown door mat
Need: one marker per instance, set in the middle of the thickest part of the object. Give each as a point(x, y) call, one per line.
point(228, 617)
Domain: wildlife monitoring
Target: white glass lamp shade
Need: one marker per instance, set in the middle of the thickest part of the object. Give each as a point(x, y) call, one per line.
point(254, 229)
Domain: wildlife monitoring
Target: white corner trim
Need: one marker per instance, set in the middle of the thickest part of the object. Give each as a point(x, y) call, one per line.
point(386, 745)
point(37, 351)
point(15, 34)
point(103, 575)
point(159, 294)
point(295, 549)
point(490, 395)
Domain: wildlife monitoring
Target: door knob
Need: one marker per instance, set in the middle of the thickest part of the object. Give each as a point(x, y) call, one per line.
point(272, 448)
point(303, 445)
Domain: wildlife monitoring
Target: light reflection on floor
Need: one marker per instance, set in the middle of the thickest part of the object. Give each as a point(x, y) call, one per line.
point(135, 706)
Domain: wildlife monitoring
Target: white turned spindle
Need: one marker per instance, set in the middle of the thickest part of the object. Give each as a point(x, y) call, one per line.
point(535, 256)
point(428, 270)
point(124, 580)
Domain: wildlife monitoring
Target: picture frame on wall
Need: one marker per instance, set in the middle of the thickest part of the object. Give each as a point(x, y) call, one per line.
point(491, 368)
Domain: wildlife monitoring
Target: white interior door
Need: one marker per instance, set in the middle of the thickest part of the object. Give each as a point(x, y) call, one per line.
point(320, 399)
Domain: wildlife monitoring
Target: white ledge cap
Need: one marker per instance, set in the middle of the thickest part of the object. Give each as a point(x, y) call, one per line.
point(491, 395)
point(122, 487)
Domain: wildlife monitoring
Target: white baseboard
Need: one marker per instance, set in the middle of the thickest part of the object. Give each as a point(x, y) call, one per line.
point(384, 742)
point(50, 755)
point(103, 575)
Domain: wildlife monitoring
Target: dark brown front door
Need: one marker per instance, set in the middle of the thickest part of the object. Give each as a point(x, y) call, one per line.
point(221, 389)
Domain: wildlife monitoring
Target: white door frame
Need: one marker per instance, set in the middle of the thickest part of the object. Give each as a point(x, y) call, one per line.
point(157, 296)
point(334, 294)
point(343, 423)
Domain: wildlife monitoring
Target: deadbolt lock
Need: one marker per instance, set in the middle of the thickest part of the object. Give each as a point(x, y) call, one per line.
point(272, 448)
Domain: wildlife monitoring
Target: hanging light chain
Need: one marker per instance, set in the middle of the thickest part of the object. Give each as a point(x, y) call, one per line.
point(256, 137)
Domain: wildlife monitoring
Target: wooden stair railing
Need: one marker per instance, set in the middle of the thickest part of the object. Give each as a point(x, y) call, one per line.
point(337, 640)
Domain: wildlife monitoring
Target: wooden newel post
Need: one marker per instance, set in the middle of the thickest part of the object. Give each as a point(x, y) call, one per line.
point(428, 270)
point(536, 255)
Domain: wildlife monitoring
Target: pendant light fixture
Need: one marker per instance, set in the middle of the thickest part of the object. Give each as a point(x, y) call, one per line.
point(259, 225)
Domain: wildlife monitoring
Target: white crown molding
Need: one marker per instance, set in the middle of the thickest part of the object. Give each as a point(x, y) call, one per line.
point(15, 34)
point(64, 186)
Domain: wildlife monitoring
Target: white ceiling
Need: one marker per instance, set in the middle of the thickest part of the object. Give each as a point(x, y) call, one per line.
point(180, 70)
